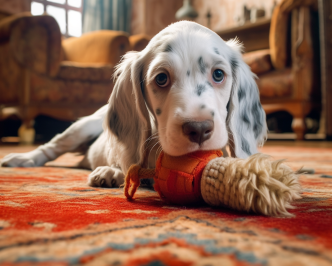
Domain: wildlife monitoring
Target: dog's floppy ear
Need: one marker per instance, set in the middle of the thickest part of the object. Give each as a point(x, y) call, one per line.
point(246, 118)
point(128, 117)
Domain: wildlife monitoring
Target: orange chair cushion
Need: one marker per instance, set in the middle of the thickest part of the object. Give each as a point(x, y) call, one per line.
point(103, 46)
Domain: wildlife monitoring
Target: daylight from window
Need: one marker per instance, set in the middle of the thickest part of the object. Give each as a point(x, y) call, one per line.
point(68, 14)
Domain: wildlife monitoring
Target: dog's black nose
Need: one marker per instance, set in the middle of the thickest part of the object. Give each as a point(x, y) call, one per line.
point(198, 131)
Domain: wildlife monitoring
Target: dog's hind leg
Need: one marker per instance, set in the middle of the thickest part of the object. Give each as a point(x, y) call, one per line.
point(82, 131)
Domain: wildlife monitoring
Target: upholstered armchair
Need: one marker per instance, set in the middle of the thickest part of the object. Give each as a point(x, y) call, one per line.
point(139, 41)
point(66, 79)
point(288, 72)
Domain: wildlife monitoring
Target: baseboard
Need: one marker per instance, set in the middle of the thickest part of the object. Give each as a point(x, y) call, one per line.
point(292, 136)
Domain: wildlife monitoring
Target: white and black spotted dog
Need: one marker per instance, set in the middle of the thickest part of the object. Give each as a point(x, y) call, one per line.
point(188, 90)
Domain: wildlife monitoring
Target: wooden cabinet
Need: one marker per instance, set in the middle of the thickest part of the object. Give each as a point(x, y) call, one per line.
point(255, 36)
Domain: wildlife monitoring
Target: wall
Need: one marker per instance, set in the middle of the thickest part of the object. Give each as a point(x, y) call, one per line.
point(151, 16)
point(226, 12)
point(14, 6)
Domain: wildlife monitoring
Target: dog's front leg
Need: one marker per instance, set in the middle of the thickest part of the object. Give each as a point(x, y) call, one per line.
point(106, 176)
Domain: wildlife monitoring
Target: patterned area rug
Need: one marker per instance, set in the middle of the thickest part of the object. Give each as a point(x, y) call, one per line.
point(49, 216)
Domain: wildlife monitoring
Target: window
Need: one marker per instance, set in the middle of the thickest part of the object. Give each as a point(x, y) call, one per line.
point(68, 14)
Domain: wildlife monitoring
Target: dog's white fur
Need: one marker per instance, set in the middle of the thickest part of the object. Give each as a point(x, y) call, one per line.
point(140, 114)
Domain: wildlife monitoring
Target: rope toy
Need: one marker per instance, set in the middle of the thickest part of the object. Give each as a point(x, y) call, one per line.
point(255, 184)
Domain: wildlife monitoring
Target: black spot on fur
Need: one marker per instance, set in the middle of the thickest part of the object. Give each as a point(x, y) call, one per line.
point(212, 113)
point(255, 109)
point(200, 89)
point(258, 115)
point(257, 129)
point(245, 118)
point(142, 83)
point(241, 93)
point(209, 83)
point(168, 49)
point(158, 111)
point(188, 73)
point(216, 50)
point(234, 66)
point(245, 146)
point(201, 64)
point(114, 123)
point(203, 106)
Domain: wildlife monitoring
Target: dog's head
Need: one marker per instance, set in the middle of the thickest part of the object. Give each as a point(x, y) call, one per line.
point(196, 90)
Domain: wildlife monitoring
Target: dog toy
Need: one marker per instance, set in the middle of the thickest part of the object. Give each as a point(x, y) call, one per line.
point(254, 184)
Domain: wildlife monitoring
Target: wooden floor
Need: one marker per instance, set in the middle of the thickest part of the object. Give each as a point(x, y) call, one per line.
point(293, 143)
point(288, 143)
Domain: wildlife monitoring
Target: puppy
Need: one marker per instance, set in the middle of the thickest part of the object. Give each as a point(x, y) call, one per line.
point(188, 90)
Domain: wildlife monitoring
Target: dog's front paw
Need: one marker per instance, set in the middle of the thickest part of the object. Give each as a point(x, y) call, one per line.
point(105, 176)
point(28, 159)
point(16, 160)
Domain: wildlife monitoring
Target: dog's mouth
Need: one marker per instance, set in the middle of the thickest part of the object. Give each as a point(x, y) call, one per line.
point(181, 145)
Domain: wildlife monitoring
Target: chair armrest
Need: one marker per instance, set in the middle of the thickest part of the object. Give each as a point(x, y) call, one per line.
point(304, 68)
point(104, 46)
point(279, 39)
point(138, 42)
point(35, 41)
point(258, 61)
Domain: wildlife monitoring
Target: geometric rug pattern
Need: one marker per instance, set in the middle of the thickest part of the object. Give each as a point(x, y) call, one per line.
point(50, 216)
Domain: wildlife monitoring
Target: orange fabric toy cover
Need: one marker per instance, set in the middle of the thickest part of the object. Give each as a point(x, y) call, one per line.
point(176, 179)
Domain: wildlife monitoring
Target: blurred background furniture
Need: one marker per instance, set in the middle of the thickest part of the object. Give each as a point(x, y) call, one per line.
point(255, 35)
point(325, 23)
point(286, 60)
point(150, 16)
point(65, 79)
point(138, 42)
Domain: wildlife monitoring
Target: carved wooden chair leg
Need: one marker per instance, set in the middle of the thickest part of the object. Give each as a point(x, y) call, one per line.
point(299, 127)
point(26, 132)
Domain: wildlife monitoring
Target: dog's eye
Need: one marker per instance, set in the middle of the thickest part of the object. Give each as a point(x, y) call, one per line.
point(218, 75)
point(162, 80)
